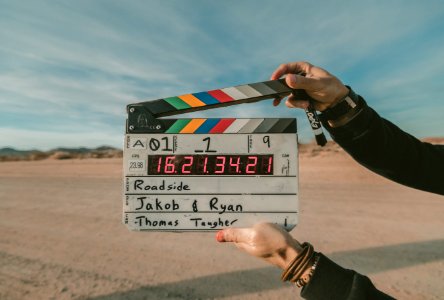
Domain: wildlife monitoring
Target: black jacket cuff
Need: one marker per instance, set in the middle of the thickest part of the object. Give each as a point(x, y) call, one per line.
point(331, 281)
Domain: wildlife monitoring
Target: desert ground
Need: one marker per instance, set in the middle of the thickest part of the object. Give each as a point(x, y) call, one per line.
point(61, 236)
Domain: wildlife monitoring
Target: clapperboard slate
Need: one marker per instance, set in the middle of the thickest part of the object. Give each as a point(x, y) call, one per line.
point(207, 174)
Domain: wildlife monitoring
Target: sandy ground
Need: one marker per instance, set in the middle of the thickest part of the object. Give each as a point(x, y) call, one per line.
point(61, 237)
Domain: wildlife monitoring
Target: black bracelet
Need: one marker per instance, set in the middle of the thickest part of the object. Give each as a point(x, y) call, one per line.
point(349, 102)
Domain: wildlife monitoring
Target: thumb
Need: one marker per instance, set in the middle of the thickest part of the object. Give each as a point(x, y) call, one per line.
point(236, 235)
point(296, 81)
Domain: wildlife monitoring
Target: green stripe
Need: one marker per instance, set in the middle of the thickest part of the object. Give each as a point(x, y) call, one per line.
point(177, 102)
point(178, 125)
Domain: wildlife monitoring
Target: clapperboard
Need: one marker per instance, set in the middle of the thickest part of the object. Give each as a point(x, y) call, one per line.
point(206, 174)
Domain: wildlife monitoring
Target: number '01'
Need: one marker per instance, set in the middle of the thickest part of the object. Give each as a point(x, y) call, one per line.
point(155, 144)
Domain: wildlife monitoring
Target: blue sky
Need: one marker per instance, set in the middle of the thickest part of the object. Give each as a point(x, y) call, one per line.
point(69, 68)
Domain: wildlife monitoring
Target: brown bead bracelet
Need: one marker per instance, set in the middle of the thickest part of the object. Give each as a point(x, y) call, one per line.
point(306, 278)
point(299, 264)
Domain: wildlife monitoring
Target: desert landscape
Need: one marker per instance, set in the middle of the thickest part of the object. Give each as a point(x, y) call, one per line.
point(61, 235)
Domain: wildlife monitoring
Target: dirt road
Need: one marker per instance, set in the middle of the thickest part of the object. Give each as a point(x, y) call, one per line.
point(61, 237)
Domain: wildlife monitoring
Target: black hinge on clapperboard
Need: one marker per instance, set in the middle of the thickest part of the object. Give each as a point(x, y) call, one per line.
point(144, 117)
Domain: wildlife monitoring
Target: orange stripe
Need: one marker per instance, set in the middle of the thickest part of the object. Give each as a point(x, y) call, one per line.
point(191, 100)
point(193, 125)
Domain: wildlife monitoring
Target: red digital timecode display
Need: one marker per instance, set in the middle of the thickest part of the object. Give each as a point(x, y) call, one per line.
point(210, 164)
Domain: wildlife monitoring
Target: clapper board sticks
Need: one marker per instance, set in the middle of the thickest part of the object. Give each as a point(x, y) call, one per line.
point(206, 174)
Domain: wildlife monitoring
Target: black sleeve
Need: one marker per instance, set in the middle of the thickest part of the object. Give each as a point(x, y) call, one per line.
point(385, 149)
point(331, 281)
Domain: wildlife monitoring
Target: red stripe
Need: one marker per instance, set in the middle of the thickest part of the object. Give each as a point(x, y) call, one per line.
point(221, 96)
point(222, 125)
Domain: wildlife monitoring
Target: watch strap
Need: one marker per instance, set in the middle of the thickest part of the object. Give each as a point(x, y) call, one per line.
point(349, 102)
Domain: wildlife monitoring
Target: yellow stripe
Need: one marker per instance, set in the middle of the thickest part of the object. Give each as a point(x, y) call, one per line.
point(192, 100)
point(193, 125)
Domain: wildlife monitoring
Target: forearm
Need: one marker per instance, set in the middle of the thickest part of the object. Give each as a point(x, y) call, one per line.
point(331, 281)
point(321, 278)
point(385, 149)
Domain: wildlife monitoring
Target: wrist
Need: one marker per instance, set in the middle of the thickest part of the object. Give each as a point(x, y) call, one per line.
point(344, 110)
point(343, 91)
point(296, 271)
point(288, 255)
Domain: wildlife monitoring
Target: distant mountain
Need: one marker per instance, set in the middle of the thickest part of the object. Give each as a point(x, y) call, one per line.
point(83, 149)
point(12, 151)
point(8, 151)
point(11, 154)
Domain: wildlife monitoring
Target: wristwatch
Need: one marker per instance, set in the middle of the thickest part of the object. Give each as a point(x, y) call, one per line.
point(348, 103)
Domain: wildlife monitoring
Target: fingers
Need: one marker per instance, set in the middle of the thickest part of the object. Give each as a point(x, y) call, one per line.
point(307, 82)
point(235, 235)
point(293, 103)
point(291, 68)
point(276, 101)
point(302, 82)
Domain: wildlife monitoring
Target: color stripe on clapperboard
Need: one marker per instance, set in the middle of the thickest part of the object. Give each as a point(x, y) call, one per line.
point(229, 125)
point(230, 94)
point(275, 125)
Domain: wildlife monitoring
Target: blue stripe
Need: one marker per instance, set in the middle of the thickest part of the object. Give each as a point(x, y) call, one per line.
point(207, 126)
point(206, 98)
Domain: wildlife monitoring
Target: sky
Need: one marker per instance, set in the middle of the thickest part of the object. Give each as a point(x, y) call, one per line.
point(69, 68)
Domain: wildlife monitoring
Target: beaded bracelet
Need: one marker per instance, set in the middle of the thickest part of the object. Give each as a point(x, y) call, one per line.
point(306, 278)
point(299, 264)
